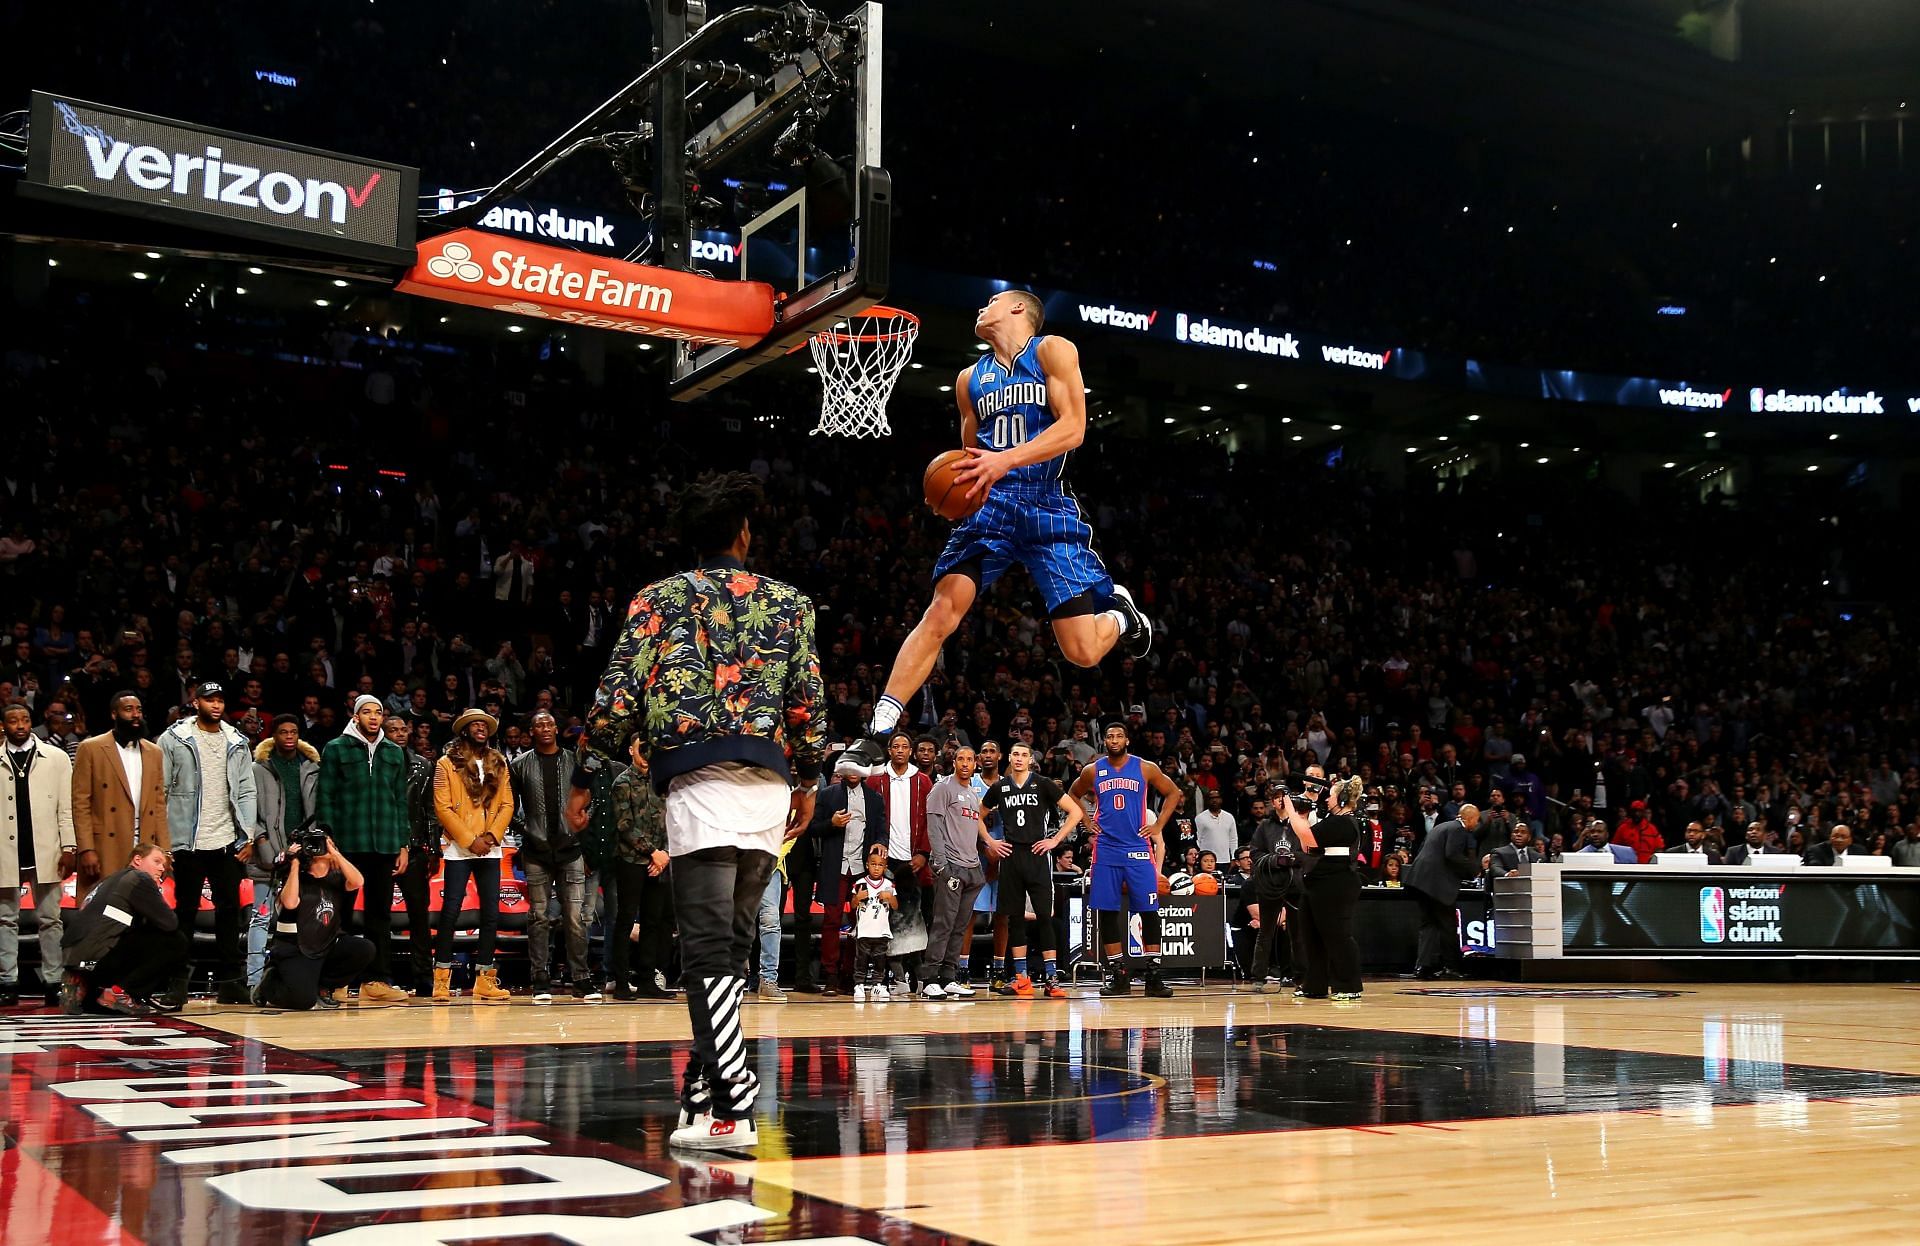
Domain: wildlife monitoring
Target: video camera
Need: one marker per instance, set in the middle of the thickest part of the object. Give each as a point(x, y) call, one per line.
point(1304, 790)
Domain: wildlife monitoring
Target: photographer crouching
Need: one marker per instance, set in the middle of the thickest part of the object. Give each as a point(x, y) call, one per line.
point(309, 957)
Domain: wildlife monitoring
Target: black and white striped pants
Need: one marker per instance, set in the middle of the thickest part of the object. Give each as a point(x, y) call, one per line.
point(716, 899)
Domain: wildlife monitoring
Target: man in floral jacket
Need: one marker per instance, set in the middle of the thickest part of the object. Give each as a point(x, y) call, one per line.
point(717, 672)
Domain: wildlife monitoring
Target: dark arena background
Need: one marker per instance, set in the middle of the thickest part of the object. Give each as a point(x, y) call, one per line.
point(1492, 428)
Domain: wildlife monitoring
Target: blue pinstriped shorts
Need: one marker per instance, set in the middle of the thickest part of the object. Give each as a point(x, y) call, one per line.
point(1041, 530)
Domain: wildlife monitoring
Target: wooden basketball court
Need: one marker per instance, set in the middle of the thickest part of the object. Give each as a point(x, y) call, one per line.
point(1580, 1113)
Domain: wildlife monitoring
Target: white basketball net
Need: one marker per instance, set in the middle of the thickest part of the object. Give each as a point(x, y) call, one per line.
point(859, 359)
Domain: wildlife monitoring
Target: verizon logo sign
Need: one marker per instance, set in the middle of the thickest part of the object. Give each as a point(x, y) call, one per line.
point(530, 279)
point(224, 181)
point(1835, 403)
point(1205, 333)
point(1116, 318)
point(1354, 357)
point(1698, 399)
point(133, 162)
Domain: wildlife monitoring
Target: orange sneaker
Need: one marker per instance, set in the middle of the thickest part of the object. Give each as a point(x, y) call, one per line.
point(1023, 986)
point(1054, 989)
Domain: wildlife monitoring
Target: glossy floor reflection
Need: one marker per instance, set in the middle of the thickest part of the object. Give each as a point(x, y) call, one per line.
point(909, 1093)
point(1211, 1118)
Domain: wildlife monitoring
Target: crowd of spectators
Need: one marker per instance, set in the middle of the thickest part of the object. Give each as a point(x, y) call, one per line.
point(452, 532)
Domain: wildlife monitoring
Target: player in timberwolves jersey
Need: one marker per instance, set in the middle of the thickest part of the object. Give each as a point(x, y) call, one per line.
point(1023, 409)
point(1125, 875)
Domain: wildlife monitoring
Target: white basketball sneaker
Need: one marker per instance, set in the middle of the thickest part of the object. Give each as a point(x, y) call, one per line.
point(959, 990)
point(879, 995)
point(707, 1132)
point(859, 992)
point(933, 990)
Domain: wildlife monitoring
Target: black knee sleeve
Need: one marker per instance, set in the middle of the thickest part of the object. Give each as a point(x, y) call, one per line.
point(1149, 930)
point(1113, 929)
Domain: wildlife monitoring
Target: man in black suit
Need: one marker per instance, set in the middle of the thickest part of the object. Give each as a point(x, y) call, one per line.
point(845, 812)
point(1755, 847)
point(1506, 860)
point(1697, 845)
point(1839, 844)
point(1448, 855)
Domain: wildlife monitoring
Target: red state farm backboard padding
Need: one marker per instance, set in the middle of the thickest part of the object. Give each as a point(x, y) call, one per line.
point(572, 287)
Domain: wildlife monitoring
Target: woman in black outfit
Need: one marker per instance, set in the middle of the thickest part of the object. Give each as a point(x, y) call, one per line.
point(1332, 889)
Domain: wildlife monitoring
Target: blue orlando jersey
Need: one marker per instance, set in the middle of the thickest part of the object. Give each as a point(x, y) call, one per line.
point(1010, 406)
point(1120, 793)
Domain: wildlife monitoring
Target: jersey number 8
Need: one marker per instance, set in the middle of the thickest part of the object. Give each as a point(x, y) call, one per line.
point(1009, 430)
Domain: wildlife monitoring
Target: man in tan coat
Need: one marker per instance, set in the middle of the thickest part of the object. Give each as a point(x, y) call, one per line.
point(36, 847)
point(473, 798)
point(119, 794)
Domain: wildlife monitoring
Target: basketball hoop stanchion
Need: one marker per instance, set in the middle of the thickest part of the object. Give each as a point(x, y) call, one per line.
point(859, 359)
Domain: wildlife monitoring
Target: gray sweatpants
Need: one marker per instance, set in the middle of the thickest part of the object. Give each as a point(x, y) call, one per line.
point(954, 889)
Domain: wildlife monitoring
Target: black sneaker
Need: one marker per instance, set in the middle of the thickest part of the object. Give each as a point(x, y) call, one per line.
point(53, 997)
point(73, 995)
point(1157, 986)
point(9, 994)
point(327, 1000)
point(586, 992)
point(1138, 638)
point(624, 994)
point(1118, 982)
point(232, 991)
point(869, 751)
point(999, 985)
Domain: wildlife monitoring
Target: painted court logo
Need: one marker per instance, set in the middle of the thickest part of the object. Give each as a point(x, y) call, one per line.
point(1713, 915)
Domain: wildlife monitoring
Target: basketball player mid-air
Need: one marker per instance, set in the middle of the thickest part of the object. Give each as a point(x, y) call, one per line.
point(1023, 409)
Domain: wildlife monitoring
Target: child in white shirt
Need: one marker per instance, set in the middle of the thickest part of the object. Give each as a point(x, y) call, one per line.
point(874, 900)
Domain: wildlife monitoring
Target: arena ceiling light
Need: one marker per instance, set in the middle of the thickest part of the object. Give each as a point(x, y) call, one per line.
point(1668, 466)
point(1336, 427)
point(1167, 420)
point(948, 389)
point(1241, 385)
point(1833, 436)
point(139, 276)
point(239, 289)
point(1298, 437)
point(1541, 459)
point(1813, 467)
point(1712, 434)
point(516, 328)
point(1204, 407)
point(916, 366)
point(339, 284)
point(256, 271)
point(153, 255)
point(321, 303)
point(1473, 419)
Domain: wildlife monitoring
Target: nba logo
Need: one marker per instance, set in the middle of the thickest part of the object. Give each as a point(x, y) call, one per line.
point(1713, 915)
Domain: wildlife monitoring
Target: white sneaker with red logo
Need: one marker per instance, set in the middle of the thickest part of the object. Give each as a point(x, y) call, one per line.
point(708, 1133)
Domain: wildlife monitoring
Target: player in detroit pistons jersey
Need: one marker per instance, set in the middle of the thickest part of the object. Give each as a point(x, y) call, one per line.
point(1023, 409)
point(1126, 876)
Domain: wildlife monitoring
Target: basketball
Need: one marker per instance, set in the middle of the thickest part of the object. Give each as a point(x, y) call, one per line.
point(1205, 885)
point(1163, 885)
point(946, 497)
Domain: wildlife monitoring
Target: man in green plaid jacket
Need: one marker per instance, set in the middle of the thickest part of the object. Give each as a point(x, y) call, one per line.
point(362, 802)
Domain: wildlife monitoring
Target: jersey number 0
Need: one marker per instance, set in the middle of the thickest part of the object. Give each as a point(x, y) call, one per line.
point(1009, 430)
